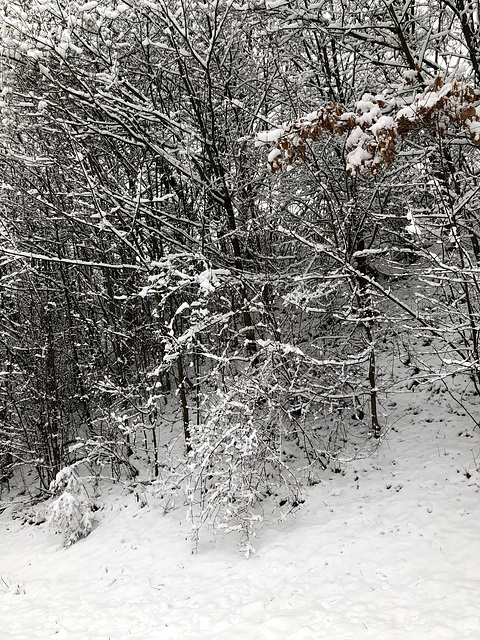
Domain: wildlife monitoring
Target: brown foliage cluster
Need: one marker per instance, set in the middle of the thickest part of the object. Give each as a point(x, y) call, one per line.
point(376, 127)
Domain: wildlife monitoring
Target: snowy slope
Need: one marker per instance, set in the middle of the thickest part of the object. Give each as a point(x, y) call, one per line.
point(387, 550)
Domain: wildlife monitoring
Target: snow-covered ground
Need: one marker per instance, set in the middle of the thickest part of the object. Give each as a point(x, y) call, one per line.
point(387, 550)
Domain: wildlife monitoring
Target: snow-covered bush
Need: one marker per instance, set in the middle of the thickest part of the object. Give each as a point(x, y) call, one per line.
point(267, 428)
point(237, 458)
point(71, 513)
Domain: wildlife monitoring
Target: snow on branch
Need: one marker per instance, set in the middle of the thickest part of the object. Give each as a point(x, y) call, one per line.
point(376, 125)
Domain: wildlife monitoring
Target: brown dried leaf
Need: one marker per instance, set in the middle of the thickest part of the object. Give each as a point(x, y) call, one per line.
point(467, 113)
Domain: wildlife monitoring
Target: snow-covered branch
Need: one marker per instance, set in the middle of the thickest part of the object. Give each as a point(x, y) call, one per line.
point(377, 124)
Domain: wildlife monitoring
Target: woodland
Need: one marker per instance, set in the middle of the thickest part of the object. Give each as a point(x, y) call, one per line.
point(222, 225)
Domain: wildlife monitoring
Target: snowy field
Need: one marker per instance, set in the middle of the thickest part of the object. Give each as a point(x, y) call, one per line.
point(388, 550)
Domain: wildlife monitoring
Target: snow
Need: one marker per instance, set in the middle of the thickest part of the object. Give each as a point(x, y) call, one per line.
point(272, 135)
point(365, 104)
point(410, 74)
point(409, 113)
point(474, 127)
point(273, 155)
point(88, 6)
point(388, 548)
point(384, 122)
point(357, 157)
point(412, 228)
point(368, 110)
point(427, 101)
point(208, 279)
point(368, 117)
point(356, 137)
point(311, 117)
point(275, 4)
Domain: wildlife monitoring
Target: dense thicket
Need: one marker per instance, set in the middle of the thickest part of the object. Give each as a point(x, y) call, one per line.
point(155, 278)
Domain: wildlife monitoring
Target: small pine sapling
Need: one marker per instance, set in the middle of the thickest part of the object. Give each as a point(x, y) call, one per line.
point(71, 513)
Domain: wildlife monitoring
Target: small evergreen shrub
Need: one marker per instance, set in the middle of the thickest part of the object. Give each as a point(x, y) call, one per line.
point(71, 513)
